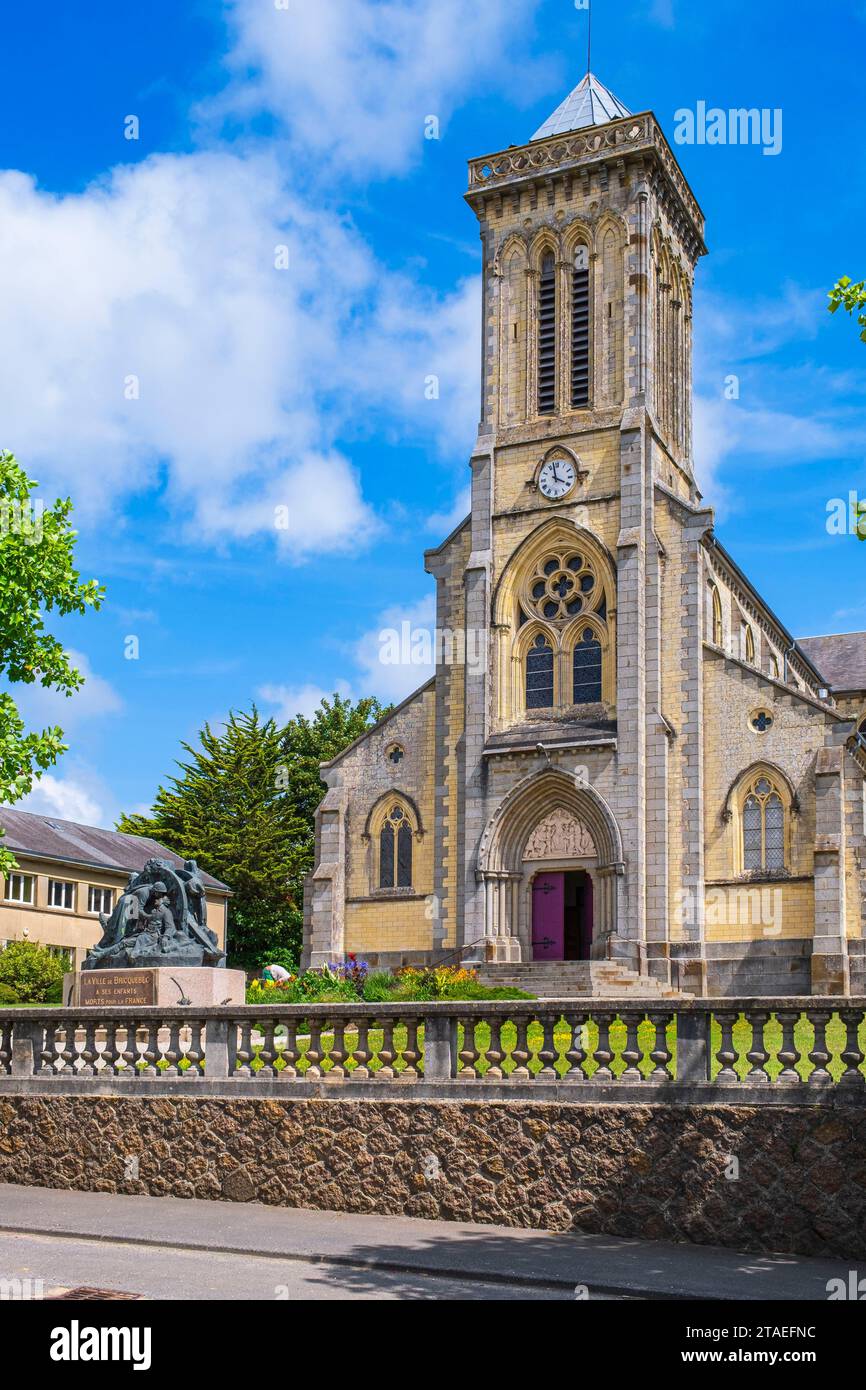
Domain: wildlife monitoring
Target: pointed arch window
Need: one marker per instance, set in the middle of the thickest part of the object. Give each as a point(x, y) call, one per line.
point(718, 624)
point(763, 827)
point(539, 674)
point(547, 336)
point(395, 849)
point(748, 644)
point(580, 329)
point(587, 669)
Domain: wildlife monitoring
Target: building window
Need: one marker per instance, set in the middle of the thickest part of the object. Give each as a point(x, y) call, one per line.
point(100, 900)
point(748, 644)
point(547, 337)
point(19, 888)
point(395, 850)
point(763, 827)
point(61, 894)
point(587, 669)
point(396, 754)
point(539, 674)
point(580, 329)
point(718, 625)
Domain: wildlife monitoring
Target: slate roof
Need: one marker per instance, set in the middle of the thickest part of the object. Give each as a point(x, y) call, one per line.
point(591, 103)
point(46, 837)
point(840, 657)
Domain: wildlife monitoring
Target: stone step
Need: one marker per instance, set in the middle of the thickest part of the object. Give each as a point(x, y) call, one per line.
point(577, 980)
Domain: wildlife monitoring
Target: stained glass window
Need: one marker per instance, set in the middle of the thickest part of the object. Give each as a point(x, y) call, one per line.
point(539, 675)
point(587, 669)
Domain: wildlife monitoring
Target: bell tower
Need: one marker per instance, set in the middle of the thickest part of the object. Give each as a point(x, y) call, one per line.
point(590, 238)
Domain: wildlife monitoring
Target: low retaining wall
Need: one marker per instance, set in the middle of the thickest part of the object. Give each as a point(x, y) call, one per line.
point(650, 1171)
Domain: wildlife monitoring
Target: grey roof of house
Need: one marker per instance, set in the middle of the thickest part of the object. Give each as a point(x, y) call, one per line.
point(46, 837)
point(591, 103)
point(840, 657)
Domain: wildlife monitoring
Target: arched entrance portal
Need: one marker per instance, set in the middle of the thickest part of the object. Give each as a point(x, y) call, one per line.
point(552, 868)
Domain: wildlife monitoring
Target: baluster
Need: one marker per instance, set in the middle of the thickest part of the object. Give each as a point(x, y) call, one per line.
point(195, 1051)
point(5, 1048)
point(50, 1053)
point(603, 1053)
point(88, 1054)
point(150, 1054)
point(172, 1053)
point(123, 1056)
point(852, 1056)
point(244, 1053)
point(110, 1054)
point(547, 1051)
point(469, 1052)
point(820, 1054)
point(386, 1052)
point(661, 1053)
point(266, 1051)
point(758, 1054)
point(288, 1052)
point(361, 1052)
point(520, 1054)
point(337, 1070)
point(789, 1053)
point(631, 1053)
point(576, 1054)
point(494, 1050)
point(412, 1051)
point(314, 1051)
point(727, 1053)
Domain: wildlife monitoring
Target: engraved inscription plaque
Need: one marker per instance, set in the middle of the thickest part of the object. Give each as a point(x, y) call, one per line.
point(98, 987)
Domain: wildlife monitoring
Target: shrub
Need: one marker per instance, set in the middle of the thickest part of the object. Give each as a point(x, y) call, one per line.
point(35, 975)
point(380, 987)
point(8, 995)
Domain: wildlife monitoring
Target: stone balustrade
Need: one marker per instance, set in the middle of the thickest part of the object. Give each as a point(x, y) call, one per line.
point(677, 1050)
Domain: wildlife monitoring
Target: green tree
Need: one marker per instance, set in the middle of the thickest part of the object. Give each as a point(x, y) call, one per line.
point(33, 972)
point(852, 298)
point(37, 576)
point(243, 806)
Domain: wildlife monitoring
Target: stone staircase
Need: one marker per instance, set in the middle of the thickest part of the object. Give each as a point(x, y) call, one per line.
point(577, 979)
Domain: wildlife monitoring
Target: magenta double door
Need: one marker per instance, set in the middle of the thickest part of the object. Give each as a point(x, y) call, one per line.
point(562, 916)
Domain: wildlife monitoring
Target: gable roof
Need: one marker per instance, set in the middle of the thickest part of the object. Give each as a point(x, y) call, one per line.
point(45, 837)
point(840, 657)
point(591, 103)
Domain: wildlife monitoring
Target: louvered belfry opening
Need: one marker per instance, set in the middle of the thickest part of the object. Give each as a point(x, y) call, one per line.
point(547, 337)
point(580, 330)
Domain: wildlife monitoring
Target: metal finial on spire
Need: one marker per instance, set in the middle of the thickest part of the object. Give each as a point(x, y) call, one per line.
point(589, 39)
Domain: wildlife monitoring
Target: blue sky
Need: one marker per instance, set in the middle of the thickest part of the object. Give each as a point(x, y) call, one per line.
point(154, 261)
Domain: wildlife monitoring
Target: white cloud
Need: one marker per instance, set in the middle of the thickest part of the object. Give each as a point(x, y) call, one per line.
point(393, 656)
point(353, 81)
point(96, 699)
point(65, 798)
point(165, 272)
point(441, 524)
point(291, 700)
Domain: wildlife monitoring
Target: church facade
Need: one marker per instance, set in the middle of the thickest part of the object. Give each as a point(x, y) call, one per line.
point(642, 765)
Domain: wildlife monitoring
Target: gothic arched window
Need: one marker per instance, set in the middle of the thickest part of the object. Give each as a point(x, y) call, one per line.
point(580, 328)
point(718, 622)
point(587, 669)
point(763, 826)
point(539, 674)
point(749, 644)
point(547, 336)
point(395, 849)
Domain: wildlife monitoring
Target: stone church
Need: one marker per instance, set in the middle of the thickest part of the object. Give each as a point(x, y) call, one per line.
point(646, 774)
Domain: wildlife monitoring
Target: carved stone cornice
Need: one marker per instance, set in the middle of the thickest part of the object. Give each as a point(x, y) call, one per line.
point(585, 151)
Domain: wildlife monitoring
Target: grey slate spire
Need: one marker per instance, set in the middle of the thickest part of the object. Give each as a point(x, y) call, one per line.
point(591, 103)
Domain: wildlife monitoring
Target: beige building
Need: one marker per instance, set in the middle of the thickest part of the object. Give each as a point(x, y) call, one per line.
point(68, 874)
point(639, 763)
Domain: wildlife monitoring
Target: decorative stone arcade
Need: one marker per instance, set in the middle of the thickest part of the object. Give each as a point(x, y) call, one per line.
point(550, 822)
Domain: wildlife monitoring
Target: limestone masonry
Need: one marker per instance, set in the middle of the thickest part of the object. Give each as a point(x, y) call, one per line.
point(644, 765)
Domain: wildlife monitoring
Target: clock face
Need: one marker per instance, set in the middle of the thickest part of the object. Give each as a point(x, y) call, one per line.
point(557, 478)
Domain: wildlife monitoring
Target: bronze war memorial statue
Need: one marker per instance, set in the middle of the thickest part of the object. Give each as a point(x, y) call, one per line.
point(159, 920)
